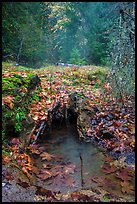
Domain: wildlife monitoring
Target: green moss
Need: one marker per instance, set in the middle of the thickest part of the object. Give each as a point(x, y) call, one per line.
point(20, 115)
point(35, 97)
point(13, 84)
point(81, 95)
point(65, 82)
point(96, 86)
point(75, 83)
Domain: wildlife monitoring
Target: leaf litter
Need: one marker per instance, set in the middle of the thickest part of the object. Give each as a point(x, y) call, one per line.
point(117, 122)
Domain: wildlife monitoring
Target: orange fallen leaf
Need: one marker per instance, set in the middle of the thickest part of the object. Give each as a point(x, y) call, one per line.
point(46, 156)
point(26, 172)
point(7, 100)
point(5, 159)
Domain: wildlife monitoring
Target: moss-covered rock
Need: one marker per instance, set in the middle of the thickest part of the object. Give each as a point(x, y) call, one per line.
point(17, 89)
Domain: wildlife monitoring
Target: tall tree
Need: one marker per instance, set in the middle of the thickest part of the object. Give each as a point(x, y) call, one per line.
point(123, 49)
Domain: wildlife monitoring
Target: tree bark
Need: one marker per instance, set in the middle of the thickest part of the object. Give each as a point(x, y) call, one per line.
point(19, 53)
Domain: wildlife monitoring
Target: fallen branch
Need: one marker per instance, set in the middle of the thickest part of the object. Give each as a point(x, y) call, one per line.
point(43, 122)
point(40, 130)
point(9, 55)
point(82, 179)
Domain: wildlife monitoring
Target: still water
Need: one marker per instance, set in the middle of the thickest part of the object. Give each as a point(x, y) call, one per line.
point(66, 143)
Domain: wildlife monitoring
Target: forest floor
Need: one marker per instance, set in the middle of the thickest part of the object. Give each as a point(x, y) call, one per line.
point(23, 179)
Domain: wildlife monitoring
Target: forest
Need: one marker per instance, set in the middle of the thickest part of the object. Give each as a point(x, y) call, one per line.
point(68, 101)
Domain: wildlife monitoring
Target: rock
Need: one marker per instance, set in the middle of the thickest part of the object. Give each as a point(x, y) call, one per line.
point(80, 106)
point(18, 120)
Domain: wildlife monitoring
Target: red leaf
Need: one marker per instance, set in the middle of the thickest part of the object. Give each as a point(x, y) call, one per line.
point(46, 156)
point(44, 176)
point(23, 184)
point(9, 176)
point(44, 192)
point(126, 187)
point(69, 181)
point(108, 169)
point(124, 175)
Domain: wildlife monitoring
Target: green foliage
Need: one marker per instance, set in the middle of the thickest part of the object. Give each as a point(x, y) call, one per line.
point(96, 86)
point(20, 115)
point(75, 83)
point(106, 197)
point(22, 33)
point(75, 57)
point(65, 82)
point(12, 84)
point(40, 32)
point(81, 95)
point(35, 97)
point(5, 152)
point(4, 140)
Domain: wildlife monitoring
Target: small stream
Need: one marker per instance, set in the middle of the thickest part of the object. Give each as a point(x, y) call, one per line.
point(66, 143)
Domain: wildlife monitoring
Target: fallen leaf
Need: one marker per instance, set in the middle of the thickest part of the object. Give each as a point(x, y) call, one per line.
point(35, 151)
point(46, 156)
point(126, 187)
point(124, 175)
point(44, 176)
point(23, 184)
point(69, 181)
point(44, 192)
point(109, 168)
point(41, 149)
point(110, 183)
point(68, 169)
point(35, 170)
point(26, 172)
point(46, 166)
point(98, 179)
point(7, 101)
point(81, 197)
point(109, 159)
point(9, 176)
point(58, 180)
point(5, 159)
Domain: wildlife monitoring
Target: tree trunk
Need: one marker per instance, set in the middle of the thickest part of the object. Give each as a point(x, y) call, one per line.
point(20, 49)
